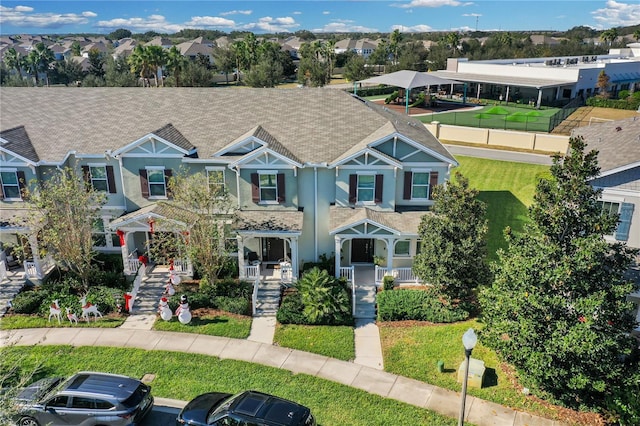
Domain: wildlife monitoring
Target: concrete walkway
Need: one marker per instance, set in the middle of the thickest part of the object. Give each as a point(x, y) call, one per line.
point(387, 385)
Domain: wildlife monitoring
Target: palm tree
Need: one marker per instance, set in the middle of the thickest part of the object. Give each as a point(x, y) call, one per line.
point(453, 40)
point(329, 53)
point(394, 44)
point(140, 62)
point(157, 59)
point(636, 35)
point(175, 63)
point(39, 60)
point(242, 56)
point(609, 36)
point(14, 60)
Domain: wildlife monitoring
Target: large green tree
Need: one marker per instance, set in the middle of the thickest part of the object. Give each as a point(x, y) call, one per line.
point(557, 308)
point(39, 60)
point(453, 255)
point(64, 211)
point(200, 202)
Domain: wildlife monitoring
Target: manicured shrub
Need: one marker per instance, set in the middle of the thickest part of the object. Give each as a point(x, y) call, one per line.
point(109, 278)
point(388, 282)
point(630, 103)
point(326, 300)
point(28, 301)
point(235, 305)
point(292, 310)
point(418, 305)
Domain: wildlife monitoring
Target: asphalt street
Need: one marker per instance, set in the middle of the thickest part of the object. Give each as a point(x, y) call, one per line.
point(498, 154)
point(164, 413)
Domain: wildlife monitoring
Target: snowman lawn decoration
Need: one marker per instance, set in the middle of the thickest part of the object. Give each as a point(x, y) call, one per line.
point(164, 310)
point(183, 313)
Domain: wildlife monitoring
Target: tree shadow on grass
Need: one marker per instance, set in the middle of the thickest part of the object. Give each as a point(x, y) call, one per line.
point(503, 209)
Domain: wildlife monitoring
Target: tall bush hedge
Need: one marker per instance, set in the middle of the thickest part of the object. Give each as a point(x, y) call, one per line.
point(417, 305)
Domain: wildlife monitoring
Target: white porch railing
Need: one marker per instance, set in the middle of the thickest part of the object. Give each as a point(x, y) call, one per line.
point(3, 271)
point(349, 274)
point(131, 266)
point(251, 272)
point(400, 275)
point(35, 270)
point(142, 271)
point(182, 266)
point(254, 296)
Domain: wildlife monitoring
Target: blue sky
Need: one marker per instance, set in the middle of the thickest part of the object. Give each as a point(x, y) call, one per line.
point(169, 16)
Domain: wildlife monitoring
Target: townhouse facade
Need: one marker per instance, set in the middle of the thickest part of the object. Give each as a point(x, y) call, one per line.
point(310, 172)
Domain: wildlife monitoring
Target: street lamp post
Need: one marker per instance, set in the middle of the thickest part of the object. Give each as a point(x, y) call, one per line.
point(469, 340)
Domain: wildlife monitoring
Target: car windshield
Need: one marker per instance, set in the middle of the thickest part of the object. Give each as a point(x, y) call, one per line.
point(221, 408)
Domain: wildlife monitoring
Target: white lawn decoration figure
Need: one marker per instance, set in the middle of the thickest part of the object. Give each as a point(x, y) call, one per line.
point(55, 311)
point(71, 316)
point(89, 308)
point(164, 310)
point(183, 313)
point(168, 289)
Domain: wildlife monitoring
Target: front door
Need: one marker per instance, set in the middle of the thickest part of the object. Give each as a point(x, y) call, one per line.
point(362, 250)
point(272, 249)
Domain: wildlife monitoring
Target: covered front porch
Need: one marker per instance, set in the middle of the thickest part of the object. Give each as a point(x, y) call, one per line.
point(387, 241)
point(138, 230)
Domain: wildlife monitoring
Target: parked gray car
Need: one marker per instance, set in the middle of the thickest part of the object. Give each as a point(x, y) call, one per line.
point(86, 399)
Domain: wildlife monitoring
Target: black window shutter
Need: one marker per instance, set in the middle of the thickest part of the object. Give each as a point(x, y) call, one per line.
point(408, 181)
point(280, 183)
point(22, 183)
point(111, 180)
point(378, 189)
point(353, 187)
point(433, 181)
point(255, 188)
point(144, 183)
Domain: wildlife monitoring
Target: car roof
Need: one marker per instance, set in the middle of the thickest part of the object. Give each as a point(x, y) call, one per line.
point(269, 407)
point(104, 384)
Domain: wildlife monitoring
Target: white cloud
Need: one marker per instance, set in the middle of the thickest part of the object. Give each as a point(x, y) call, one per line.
point(617, 14)
point(210, 21)
point(326, 12)
point(89, 14)
point(156, 23)
point(344, 26)
point(412, 29)
point(237, 12)
point(22, 16)
point(431, 3)
point(297, 12)
point(473, 15)
point(273, 25)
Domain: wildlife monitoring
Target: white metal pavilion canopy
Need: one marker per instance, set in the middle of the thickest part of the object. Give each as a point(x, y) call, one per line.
point(408, 80)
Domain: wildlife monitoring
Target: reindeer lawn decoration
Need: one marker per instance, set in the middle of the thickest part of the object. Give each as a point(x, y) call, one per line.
point(55, 311)
point(89, 308)
point(71, 316)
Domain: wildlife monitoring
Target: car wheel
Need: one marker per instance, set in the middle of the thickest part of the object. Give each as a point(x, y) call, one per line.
point(28, 421)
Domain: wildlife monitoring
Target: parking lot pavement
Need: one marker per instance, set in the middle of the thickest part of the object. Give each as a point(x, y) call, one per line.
point(164, 413)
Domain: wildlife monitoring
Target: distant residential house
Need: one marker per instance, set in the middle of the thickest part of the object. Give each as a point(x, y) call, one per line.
point(362, 47)
point(100, 47)
point(160, 41)
point(124, 48)
point(311, 172)
point(543, 39)
point(191, 50)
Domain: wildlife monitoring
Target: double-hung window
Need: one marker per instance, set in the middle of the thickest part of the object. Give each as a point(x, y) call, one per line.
point(153, 182)
point(366, 187)
point(98, 175)
point(420, 186)
point(268, 187)
point(215, 178)
point(11, 184)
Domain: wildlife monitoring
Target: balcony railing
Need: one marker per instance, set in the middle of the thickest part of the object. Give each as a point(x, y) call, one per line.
point(400, 275)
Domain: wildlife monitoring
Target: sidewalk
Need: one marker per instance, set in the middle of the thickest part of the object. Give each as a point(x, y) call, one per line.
point(387, 385)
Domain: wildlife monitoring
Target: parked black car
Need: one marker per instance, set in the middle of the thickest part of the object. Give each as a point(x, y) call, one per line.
point(250, 408)
point(87, 399)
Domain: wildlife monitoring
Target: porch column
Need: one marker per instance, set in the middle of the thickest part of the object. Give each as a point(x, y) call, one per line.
point(293, 243)
point(125, 254)
point(241, 271)
point(389, 243)
point(506, 98)
point(337, 247)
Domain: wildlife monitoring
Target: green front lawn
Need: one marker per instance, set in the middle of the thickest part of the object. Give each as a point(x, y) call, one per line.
point(33, 321)
point(183, 376)
point(215, 324)
point(507, 188)
point(332, 341)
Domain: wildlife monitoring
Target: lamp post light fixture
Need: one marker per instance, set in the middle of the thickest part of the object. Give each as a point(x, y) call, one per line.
point(469, 340)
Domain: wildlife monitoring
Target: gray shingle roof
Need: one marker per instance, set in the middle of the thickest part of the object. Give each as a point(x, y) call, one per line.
point(406, 222)
point(171, 134)
point(270, 220)
point(617, 142)
point(18, 142)
point(314, 125)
